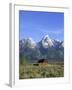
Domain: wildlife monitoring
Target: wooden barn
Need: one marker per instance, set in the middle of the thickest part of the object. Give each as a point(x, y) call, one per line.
point(43, 61)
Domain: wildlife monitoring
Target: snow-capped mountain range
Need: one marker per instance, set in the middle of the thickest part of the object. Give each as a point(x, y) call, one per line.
point(46, 42)
point(45, 48)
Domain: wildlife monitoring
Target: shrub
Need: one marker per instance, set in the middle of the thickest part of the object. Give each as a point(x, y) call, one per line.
point(23, 60)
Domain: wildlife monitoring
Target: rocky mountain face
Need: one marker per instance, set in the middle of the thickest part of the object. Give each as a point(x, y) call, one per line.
point(47, 48)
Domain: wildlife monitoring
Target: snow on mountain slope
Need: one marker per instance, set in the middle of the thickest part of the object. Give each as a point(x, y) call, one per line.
point(45, 48)
point(62, 45)
point(30, 43)
point(47, 42)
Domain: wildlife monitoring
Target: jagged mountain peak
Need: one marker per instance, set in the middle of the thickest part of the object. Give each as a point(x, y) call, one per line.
point(62, 45)
point(46, 36)
point(30, 43)
point(47, 41)
point(30, 40)
point(45, 48)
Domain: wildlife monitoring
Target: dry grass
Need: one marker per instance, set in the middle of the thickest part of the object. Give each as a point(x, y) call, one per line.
point(41, 71)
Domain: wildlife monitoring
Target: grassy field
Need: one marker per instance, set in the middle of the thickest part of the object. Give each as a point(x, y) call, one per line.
point(41, 71)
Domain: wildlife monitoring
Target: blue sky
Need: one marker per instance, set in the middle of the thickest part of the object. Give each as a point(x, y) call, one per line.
point(37, 24)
